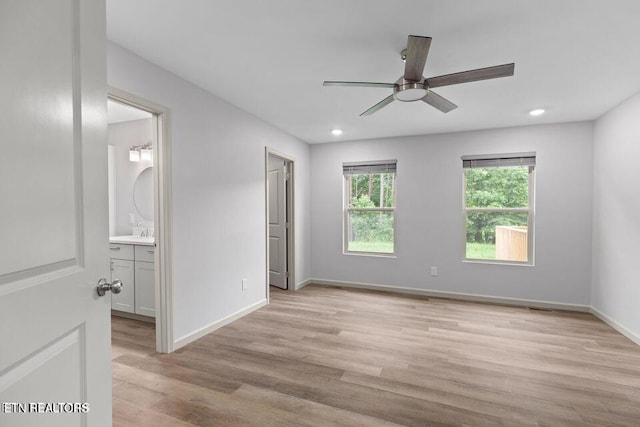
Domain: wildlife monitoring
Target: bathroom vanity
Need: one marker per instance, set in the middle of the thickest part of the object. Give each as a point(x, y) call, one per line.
point(132, 261)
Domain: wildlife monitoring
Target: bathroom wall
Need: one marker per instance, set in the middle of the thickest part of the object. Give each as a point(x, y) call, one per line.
point(122, 136)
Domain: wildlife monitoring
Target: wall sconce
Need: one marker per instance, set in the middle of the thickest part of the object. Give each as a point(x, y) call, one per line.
point(134, 155)
point(146, 154)
point(141, 152)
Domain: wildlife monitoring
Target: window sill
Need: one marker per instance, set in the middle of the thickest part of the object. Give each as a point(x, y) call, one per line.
point(492, 262)
point(370, 254)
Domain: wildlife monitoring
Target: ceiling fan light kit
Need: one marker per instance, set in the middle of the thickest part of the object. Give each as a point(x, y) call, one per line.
point(408, 91)
point(412, 86)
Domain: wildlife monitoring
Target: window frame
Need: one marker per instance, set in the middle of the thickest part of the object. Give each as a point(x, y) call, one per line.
point(530, 216)
point(346, 223)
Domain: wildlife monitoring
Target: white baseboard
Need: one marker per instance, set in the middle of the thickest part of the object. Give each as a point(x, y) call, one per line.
point(303, 284)
point(181, 342)
point(456, 295)
point(615, 325)
point(133, 316)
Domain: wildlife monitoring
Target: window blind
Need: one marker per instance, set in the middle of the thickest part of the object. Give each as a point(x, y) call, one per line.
point(499, 160)
point(378, 166)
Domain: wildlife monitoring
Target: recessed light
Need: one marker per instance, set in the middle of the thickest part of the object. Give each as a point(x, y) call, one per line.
point(336, 132)
point(537, 112)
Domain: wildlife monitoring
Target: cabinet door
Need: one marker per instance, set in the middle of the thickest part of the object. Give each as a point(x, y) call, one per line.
point(123, 270)
point(145, 288)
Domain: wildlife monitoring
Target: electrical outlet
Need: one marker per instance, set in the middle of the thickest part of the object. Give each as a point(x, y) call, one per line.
point(244, 284)
point(434, 271)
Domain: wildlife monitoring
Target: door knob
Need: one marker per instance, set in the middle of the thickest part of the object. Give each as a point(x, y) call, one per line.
point(104, 286)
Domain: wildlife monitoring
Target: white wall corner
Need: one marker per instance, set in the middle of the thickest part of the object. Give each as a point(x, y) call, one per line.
point(199, 333)
point(615, 325)
point(303, 284)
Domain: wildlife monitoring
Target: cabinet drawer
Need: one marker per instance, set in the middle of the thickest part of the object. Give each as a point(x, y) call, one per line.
point(145, 253)
point(119, 251)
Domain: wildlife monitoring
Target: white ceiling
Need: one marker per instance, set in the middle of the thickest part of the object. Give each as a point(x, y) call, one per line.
point(117, 113)
point(575, 58)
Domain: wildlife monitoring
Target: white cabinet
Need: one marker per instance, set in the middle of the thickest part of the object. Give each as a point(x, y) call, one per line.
point(134, 266)
point(119, 251)
point(145, 253)
point(145, 288)
point(123, 270)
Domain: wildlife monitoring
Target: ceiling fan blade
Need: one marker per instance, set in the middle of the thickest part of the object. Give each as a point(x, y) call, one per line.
point(388, 100)
point(437, 101)
point(417, 51)
point(505, 70)
point(358, 84)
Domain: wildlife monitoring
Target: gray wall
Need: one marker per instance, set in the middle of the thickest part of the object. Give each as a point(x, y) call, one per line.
point(219, 234)
point(429, 226)
point(616, 216)
point(122, 136)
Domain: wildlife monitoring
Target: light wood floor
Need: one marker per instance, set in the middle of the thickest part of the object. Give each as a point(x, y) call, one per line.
point(330, 356)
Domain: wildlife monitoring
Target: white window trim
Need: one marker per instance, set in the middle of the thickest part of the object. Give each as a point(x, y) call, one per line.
point(345, 221)
point(530, 224)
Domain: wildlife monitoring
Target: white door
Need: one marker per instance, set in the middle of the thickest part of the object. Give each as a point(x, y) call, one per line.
point(276, 175)
point(54, 328)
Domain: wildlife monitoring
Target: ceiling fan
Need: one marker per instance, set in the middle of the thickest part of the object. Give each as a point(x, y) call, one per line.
point(412, 86)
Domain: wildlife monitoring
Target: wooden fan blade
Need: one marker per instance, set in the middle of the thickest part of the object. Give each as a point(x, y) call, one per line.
point(417, 51)
point(358, 84)
point(388, 100)
point(505, 70)
point(437, 101)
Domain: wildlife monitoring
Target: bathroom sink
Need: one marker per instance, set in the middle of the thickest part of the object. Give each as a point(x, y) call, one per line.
point(133, 240)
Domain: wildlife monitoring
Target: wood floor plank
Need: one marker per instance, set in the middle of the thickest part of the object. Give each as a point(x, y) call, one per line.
point(183, 372)
point(199, 405)
point(315, 413)
point(344, 357)
point(493, 404)
point(128, 414)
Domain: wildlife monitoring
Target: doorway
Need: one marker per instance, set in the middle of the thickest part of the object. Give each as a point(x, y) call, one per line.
point(139, 217)
point(279, 182)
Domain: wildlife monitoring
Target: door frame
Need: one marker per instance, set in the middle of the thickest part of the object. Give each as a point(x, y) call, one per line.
point(163, 212)
point(289, 189)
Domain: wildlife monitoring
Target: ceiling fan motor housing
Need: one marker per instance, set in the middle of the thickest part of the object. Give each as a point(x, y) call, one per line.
point(409, 91)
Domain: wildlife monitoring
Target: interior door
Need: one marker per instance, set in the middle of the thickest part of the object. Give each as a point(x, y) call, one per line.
point(54, 328)
point(276, 175)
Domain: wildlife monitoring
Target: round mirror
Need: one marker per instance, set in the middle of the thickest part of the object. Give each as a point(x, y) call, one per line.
point(143, 194)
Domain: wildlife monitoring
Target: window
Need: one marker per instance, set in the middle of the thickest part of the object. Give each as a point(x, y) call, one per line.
point(498, 207)
point(369, 207)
